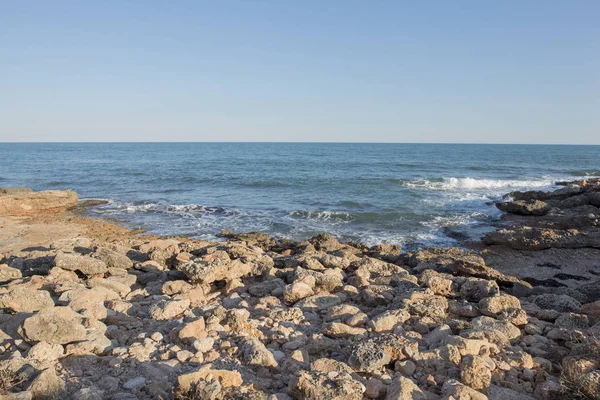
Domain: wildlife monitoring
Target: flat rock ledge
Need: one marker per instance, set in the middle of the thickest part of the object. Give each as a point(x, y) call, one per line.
point(23, 201)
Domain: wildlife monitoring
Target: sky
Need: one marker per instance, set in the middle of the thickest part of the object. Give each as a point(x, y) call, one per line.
point(300, 71)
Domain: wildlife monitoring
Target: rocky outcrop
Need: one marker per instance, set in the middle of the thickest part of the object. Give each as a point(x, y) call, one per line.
point(17, 202)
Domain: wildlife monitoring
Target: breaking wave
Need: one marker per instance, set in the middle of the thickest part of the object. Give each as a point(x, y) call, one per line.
point(475, 184)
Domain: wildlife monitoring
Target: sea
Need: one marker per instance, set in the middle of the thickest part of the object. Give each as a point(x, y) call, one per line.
point(413, 195)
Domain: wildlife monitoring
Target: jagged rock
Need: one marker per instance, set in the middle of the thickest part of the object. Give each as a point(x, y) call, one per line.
point(475, 372)
point(8, 274)
point(325, 242)
point(25, 299)
point(318, 302)
point(84, 264)
point(340, 330)
point(403, 388)
point(57, 325)
point(113, 259)
point(501, 393)
point(493, 306)
point(474, 289)
point(557, 302)
point(266, 288)
point(458, 263)
point(254, 352)
point(192, 331)
point(296, 292)
point(315, 385)
point(536, 238)
point(216, 270)
point(44, 351)
point(386, 321)
point(507, 328)
point(525, 207)
point(167, 309)
point(47, 385)
point(226, 378)
point(368, 357)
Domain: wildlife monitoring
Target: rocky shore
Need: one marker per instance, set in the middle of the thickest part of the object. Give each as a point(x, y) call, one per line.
point(90, 310)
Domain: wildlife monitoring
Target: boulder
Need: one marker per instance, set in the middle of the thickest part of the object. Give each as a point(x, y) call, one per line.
point(167, 309)
point(8, 274)
point(254, 352)
point(56, 325)
point(525, 207)
point(84, 264)
point(26, 299)
point(315, 385)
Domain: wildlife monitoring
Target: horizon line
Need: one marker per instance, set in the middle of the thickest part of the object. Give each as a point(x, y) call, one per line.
point(293, 142)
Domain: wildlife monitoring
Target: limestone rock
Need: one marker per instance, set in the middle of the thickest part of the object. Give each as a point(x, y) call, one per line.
point(403, 388)
point(315, 385)
point(8, 274)
point(75, 262)
point(475, 372)
point(254, 352)
point(167, 309)
point(57, 325)
point(25, 299)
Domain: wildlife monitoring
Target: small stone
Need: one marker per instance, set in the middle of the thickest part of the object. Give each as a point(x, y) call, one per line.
point(135, 383)
point(203, 344)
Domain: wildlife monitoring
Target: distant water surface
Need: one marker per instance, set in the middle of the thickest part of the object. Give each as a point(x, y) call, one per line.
point(407, 194)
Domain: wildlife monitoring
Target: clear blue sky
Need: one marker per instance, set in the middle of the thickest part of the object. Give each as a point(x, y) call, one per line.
point(384, 71)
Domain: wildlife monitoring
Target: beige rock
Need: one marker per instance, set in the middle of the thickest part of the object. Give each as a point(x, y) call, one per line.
point(387, 320)
point(254, 352)
point(44, 351)
point(8, 274)
point(340, 330)
point(492, 306)
point(192, 331)
point(84, 264)
point(167, 309)
point(315, 385)
point(226, 378)
point(25, 299)
point(57, 325)
point(454, 390)
point(403, 388)
point(24, 202)
point(475, 372)
point(296, 292)
point(47, 385)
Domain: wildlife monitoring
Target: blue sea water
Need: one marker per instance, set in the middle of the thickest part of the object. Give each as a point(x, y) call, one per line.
point(407, 194)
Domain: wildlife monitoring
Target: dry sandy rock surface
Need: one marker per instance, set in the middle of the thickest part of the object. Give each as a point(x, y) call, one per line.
point(90, 310)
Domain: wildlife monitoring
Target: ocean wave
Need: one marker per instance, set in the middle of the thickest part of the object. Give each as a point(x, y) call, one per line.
point(323, 216)
point(116, 207)
point(474, 184)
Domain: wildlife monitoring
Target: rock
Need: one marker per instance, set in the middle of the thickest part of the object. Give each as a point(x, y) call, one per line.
point(501, 393)
point(557, 302)
point(505, 327)
point(167, 309)
point(8, 274)
point(203, 345)
point(215, 270)
point(57, 325)
point(406, 367)
point(325, 242)
point(454, 390)
point(403, 388)
point(368, 357)
point(47, 385)
point(296, 292)
point(254, 352)
point(113, 259)
point(339, 330)
point(75, 262)
point(25, 299)
point(26, 202)
point(475, 289)
point(318, 302)
point(111, 283)
point(44, 351)
point(192, 331)
point(492, 306)
point(266, 288)
point(525, 207)
point(134, 383)
point(536, 238)
point(387, 320)
point(475, 372)
point(592, 310)
point(374, 387)
point(226, 378)
point(315, 385)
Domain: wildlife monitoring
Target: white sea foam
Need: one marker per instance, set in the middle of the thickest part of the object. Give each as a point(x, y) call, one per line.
point(476, 184)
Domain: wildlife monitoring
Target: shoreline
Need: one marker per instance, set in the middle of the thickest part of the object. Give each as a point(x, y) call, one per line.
point(144, 316)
